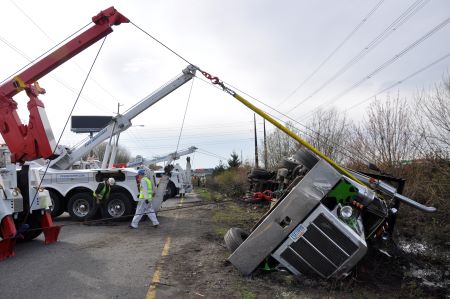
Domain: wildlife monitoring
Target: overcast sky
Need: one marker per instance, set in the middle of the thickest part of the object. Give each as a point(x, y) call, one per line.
point(302, 54)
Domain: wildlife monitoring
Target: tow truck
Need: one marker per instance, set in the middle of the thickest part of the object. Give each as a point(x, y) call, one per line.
point(24, 203)
point(180, 179)
point(71, 190)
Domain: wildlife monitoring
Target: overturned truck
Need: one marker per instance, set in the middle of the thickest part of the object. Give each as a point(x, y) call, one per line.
point(325, 218)
point(323, 221)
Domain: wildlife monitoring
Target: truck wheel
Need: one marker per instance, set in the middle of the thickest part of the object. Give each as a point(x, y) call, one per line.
point(259, 173)
point(306, 158)
point(57, 207)
point(234, 237)
point(81, 206)
point(34, 229)
point(171, 191)
point(118, 206)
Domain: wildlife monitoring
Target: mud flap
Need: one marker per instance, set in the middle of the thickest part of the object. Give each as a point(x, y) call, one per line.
point(51, 232)
point(8, 232)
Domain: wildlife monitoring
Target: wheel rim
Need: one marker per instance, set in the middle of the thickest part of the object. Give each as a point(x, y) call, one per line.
point(81, 207)
point(116, 208)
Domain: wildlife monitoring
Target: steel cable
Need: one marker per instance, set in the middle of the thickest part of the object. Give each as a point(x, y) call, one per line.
point(64, 128)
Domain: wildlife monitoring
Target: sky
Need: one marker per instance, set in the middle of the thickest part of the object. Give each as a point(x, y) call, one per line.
point(292, 56)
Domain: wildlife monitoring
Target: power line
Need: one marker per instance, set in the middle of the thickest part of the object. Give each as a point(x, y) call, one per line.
point(406, 15)
point(400, 81)
point(364, 20)
point(63, 83)
point(386, 63)
point(50, 39)
point(340, 149)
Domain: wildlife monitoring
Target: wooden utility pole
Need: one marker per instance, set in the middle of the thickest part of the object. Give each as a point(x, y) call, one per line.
point(256, 142)
point(265, 145)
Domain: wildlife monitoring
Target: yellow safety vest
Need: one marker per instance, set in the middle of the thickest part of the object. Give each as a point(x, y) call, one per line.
point(149, 189)
point(104, 194)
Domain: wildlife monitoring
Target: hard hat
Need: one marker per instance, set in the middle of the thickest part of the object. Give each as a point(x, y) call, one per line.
point(141, 172)
point(111, 181)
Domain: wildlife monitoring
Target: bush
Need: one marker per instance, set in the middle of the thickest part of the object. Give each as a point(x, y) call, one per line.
point(232, 182)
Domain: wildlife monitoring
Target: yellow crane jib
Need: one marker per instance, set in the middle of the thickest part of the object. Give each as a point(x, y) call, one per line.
point(217, 81)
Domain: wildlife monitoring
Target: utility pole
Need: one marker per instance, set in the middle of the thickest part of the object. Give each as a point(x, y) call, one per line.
point(256, 142)
point(265, 145)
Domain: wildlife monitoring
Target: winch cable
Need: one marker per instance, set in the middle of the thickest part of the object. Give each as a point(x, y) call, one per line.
point(45, 53)
point(182, 58)
point(161, 43)
point(215, 81)
point(64, 128)
point(184, 116)
point(344, 151)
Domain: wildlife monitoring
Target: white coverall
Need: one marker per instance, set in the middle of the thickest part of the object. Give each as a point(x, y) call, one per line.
point(144, 208)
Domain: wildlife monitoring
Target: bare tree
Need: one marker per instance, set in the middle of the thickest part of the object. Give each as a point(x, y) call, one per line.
point(329, 132)
point(433, 111)
point(387, 135)
point(122, 156)
point(279, 145)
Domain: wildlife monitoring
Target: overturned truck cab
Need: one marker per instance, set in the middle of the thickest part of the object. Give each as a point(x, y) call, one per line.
point(323, 221)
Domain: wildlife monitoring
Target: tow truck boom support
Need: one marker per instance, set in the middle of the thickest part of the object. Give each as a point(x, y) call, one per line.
point(122, 122)
point(35, 140)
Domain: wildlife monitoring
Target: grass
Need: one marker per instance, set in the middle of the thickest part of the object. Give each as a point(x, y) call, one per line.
point(236, 214)
point(246, 293)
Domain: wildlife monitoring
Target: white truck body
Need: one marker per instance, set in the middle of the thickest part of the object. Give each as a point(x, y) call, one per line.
point(72, 189)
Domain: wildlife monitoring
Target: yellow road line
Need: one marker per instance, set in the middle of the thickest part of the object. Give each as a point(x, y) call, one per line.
point(151, 293)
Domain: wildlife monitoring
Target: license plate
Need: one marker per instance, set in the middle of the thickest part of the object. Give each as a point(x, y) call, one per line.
point(297, 233)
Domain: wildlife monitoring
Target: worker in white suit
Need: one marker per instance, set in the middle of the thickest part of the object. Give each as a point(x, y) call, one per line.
point(144, 206)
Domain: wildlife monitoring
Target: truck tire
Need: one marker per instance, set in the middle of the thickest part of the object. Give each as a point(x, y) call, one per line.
point(57, 204)
point(259, 173)
point(81, 206)
point(118, 206)
point(306, 158)
point(234, 238)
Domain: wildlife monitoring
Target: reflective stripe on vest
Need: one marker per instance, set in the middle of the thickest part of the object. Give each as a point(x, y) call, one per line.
point(103, 194)
point(149, 189)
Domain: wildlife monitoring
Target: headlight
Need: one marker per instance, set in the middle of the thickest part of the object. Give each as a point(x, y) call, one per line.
point(346, 212)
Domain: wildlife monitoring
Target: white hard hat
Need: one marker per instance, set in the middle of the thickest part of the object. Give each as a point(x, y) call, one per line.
point(111, 181)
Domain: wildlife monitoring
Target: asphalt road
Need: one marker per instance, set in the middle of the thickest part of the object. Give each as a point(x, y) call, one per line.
point(102, 261)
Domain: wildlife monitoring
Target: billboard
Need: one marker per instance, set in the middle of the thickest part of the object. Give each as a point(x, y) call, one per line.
point(87, 124)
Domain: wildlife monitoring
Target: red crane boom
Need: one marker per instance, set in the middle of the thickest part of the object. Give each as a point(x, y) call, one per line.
point(36, 140)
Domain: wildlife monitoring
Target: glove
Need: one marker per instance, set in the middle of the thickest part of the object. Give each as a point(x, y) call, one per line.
point(146, 201)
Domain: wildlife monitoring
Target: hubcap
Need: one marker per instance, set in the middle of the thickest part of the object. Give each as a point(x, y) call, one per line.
point(81, 207)
point(116, 208)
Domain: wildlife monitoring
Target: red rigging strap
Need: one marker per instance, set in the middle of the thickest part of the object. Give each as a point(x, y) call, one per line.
point(35, 140)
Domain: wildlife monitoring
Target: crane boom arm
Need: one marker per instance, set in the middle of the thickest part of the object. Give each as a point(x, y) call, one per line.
point(121, 123)
point(169, 158)
point(35, 140)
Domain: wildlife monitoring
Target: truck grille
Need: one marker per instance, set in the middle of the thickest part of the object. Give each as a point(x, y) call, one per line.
point(323, 248)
